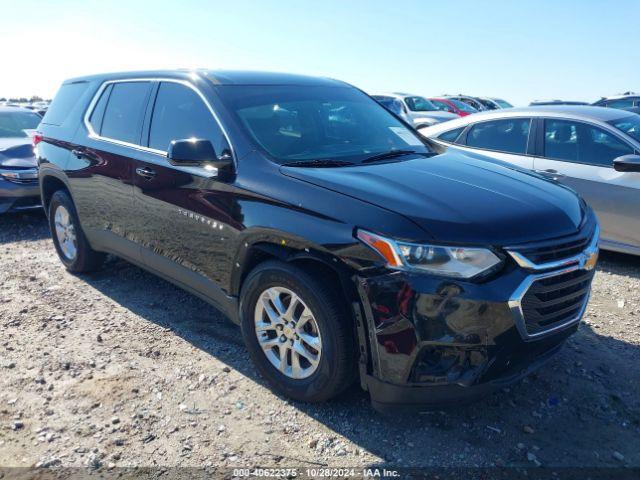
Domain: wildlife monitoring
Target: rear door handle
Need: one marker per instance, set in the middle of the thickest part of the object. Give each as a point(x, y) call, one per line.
point(551, 173)
point(145, 173)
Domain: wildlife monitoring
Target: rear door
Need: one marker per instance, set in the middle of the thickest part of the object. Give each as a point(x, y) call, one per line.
point(185, 213)
point(503, 139)
point(100, 170)
point(580, 155)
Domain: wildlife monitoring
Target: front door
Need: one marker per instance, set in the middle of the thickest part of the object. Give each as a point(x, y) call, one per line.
point(581, 156)
point(187, 214)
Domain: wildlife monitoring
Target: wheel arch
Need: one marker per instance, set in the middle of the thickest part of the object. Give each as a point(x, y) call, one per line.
point(312, 260)
point(50, 184)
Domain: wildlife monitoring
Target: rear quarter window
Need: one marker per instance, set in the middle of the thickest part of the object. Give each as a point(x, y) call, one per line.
point(64, 101)
point(451, 135)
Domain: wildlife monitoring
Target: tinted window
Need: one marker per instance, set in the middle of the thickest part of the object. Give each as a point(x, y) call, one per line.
point(419, 104)
point(501, 135)
point(125, 110)
point(579, 142)
point(629, 125)
point(620, 103)
point(390, 103)
point(314, 123)
point(180, 113)
point(463, 106)
point(442, 106)
point(64, 101)
point(451, 135)
point(14, 124)
point(502, 103)
point(98, 112)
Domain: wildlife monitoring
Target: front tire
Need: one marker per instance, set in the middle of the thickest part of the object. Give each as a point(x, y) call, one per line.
point(71, 244)
point(297, 332)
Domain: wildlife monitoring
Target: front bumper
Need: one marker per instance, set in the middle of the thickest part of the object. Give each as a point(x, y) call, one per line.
point(19, 196)
point(435, 342)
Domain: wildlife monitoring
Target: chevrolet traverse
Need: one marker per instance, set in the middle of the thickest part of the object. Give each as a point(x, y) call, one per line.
point(343, 244)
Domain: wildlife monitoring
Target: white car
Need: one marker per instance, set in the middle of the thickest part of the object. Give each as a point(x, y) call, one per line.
point(415, 109)
point(593, 150)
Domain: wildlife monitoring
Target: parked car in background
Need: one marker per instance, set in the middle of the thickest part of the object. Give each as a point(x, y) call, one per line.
point(418, 110)
point(342, 242)
point(474, 102)
point(393, 105)
point(593, 150)
point(453, 106)
point(488, 103)
point(624, 100)
point(539, 103)
point(502, 103)
point(18, 167)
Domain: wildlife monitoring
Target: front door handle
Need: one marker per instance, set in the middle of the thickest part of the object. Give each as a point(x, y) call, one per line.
point(145, 173)
point(550, 172)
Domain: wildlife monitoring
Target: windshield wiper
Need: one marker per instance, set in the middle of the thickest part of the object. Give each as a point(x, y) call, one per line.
point(394, 154)
point(326, 163)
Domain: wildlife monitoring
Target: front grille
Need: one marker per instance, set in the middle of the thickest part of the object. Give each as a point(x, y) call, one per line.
point(23, 181)
point(552, 301)
point(557, 249)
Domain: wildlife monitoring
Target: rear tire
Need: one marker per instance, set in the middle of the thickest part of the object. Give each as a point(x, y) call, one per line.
point(320, 354)
point(71, 244)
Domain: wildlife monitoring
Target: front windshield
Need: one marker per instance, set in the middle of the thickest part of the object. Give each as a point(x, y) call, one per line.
point(14, 124)
point(419, 104)
point(305, 123)
point(463, 106)
point(629, 125)
point(502, 103)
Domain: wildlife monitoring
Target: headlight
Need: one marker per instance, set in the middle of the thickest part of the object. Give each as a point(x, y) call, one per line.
point(457, 262)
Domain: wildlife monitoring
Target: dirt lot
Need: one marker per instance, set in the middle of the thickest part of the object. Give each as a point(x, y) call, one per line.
point(121, 368)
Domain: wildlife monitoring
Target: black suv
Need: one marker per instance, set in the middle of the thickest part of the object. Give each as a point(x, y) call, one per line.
point(343, 244)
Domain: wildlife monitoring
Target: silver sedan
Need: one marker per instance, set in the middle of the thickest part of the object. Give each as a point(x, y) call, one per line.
point(594, 150)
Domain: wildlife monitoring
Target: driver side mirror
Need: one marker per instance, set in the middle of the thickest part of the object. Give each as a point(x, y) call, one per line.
point(627, 163)
point(197, 152)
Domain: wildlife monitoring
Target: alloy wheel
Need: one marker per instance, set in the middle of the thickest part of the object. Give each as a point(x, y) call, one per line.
point(65, 233)
point(288, 332)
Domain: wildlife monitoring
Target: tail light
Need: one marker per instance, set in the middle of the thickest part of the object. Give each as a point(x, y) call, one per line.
point(37, 138)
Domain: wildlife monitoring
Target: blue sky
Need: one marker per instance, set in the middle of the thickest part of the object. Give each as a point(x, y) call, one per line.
point(519, 50)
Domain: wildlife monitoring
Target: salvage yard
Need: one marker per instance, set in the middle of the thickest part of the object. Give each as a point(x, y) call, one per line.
point(120, 368)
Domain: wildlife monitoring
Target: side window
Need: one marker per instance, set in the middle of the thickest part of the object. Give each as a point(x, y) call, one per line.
point(125, 111)
point(620, 103)
point(582, 143)
point(451, 135)
point(64, 101)
point(98, 112)
point(442, 106)
point(180, 113)
point(509, 136)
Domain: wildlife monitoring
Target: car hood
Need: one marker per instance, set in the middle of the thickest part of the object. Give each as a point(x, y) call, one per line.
point(458, 198)
point(17, 152)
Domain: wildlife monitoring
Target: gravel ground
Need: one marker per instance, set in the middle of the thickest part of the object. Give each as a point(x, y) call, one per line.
point(120, 368)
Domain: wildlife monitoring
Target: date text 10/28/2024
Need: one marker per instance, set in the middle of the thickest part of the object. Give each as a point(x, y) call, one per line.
point(319, 472)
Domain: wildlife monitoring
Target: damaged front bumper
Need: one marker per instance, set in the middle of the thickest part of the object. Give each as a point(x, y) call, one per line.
point(435, 342)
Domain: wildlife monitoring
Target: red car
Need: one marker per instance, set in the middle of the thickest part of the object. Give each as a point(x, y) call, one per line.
point(453, 106)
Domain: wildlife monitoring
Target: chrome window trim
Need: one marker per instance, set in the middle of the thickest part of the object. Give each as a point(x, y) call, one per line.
point(106, 83)
point(577, 262)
